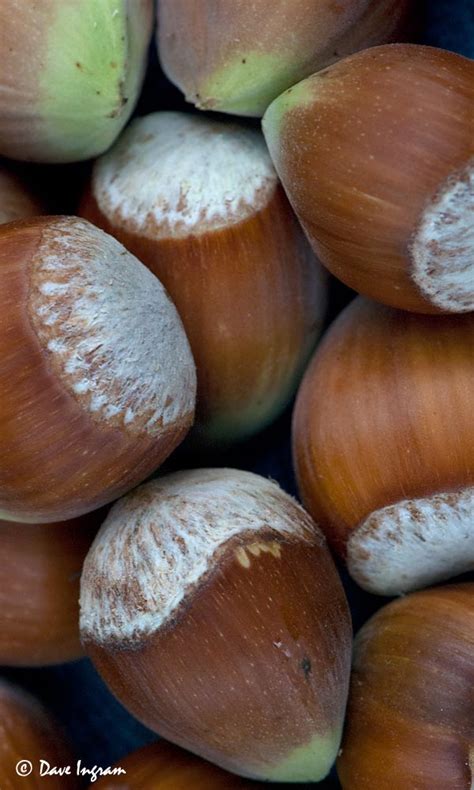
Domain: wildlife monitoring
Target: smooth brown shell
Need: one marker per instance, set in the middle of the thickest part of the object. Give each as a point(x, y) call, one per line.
point(254, 664)
point(200, 40)
point(61, 461)
point(28, 733)
point(410, 719)
point(384, 414)
point(65, 96)
point(39, 589)
point(251, 297)
point(363, 150)
point(16, 199)
point(162, 766)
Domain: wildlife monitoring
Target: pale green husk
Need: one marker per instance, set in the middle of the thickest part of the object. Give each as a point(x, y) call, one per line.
point(292, 99)
point(92, 76)
point(247, 84)
point(310, 763)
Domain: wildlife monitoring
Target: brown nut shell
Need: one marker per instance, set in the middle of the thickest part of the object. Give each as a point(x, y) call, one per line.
point(16, 200)
point(198, 201)
point(411, 708)
point(237, 57)
point(71, 75)
point(226, 629)
point(29, 735)
point(97, 382)
point(376, 154)
point(162, 766)
point(39, 589)
point(382, 442)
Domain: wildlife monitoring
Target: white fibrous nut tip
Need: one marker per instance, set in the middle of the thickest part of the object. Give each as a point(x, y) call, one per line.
point(111, 333)
point(414, 543)
point(443, 246)
point(162, 539)
point(171, 175)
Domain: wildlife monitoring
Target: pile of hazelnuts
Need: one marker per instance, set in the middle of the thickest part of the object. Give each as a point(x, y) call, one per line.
point(182, 304)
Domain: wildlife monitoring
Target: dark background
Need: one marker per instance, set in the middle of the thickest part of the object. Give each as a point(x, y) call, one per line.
point(101, 731)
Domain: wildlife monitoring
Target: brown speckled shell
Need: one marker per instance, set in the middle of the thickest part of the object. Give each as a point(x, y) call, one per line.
point(375, 138)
